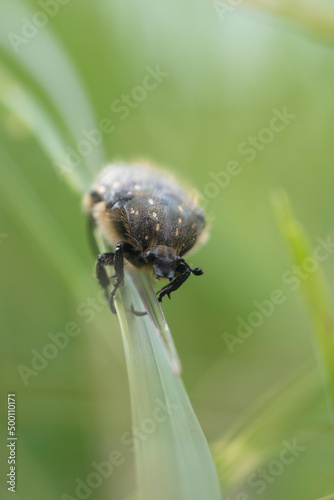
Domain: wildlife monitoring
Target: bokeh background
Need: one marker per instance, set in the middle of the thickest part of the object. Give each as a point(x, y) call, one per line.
point(228, 70)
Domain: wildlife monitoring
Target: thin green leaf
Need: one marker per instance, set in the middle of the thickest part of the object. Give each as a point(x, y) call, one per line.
point(53, 101)
point(173, 458)
point(314, 289)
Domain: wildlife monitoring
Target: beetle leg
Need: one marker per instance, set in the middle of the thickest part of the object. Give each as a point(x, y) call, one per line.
point(181, 277)
point(197, 271)
point(103, 260)
point(117, 260)
point(119, 272)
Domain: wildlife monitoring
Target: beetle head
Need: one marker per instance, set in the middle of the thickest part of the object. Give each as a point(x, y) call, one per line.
point(164, 261)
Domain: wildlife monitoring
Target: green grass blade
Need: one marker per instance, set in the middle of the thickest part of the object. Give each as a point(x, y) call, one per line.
point(18, 100)
point(52, 99)
point(173, 458)
point(314, 288)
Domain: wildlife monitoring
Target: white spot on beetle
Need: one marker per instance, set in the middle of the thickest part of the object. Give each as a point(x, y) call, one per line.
point(136, 212)
point(158, 227)
point(137, 187)
point(151, 201)
point(132, 211)
point(146, 237)
point(180, 220)
point(177, 231)
point(154, 214)
point(129, 192)
point(180, 208)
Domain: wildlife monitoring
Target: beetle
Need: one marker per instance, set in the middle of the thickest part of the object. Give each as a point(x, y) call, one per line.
point(149, 220)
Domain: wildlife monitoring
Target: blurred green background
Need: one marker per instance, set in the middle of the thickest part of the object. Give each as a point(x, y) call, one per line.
point(228, 73)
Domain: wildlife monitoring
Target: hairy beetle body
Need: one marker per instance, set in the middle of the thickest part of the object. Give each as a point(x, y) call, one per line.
point(148, 218)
